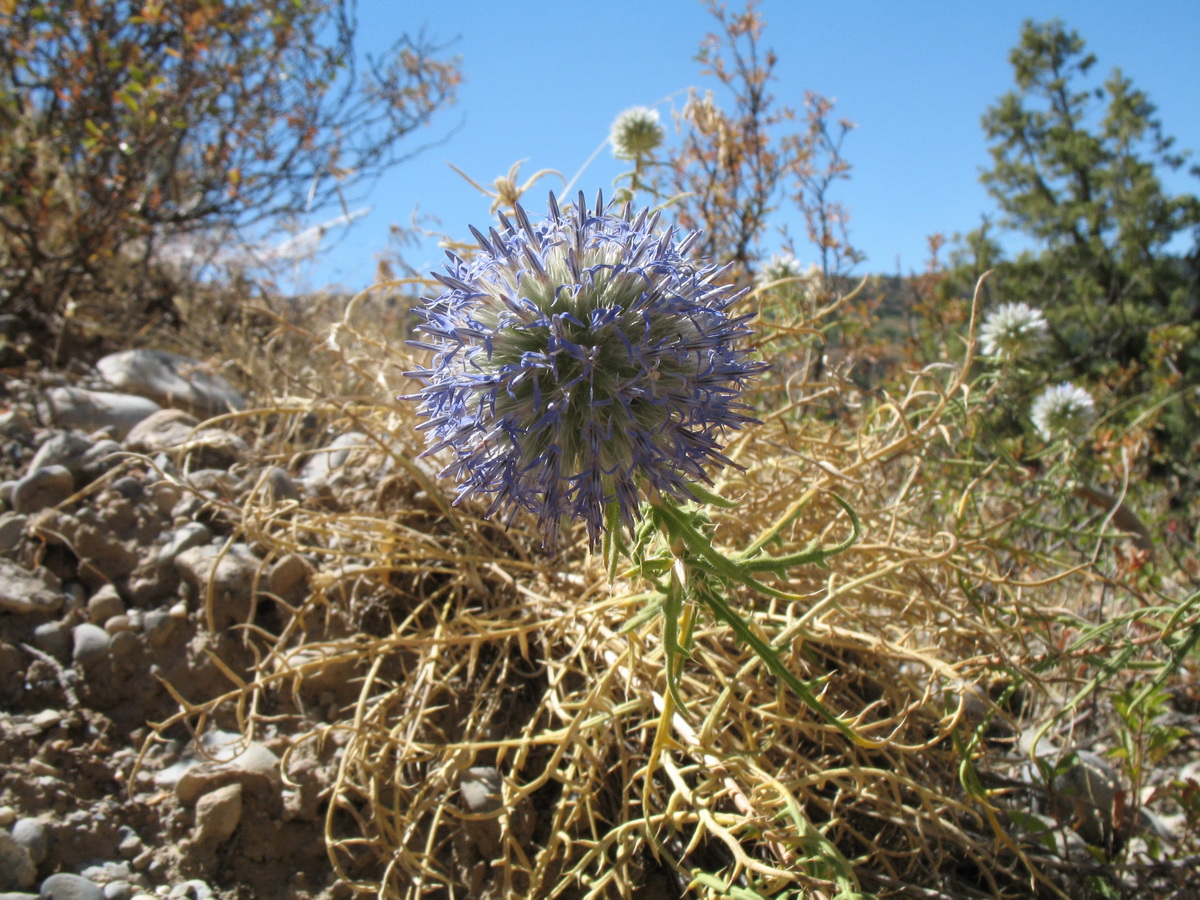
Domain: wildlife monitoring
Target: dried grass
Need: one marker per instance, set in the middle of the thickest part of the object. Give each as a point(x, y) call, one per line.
point(469, 651)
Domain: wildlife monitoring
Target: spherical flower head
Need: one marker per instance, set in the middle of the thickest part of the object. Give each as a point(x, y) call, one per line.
point(636, 132)
point(1012, 331)
point(580, 365)
point(1064, 410)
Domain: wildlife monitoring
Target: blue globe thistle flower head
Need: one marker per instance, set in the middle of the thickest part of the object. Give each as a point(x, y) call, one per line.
point(580, 364)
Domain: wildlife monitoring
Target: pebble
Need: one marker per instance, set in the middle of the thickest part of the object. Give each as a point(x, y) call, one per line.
point(53, 638)
point(12, 527)
point(8, 815)
point(288, 572)
point(324, 463)
point(94, 410)
point(105, 604)
point(65, 886)
point(157, 625)
point(43, 487)
point(123, 643)
point(118, 890)
point(23, 591)
point(191, 890)
point(171, 379)
point(17, 869)
point(100, 458)
point(132, 489)
point(194, 534)
point(44, 720)
point(280, 487)
point(90, 643)
point(31, 834)
point(64, 448)
point(218, 813)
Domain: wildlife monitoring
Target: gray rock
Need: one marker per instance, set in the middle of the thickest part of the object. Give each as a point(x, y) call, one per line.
point(1083, 795)
point(280, 487)
point(53, 638)
point(19, 895)
point(218, 813)
point(174, 432)
point(43, 487)
point(22, 591)
point(323, 464)
point(65, 448)
point(104, 604)
point(103, 556)
point(230, 760)
point(94, 410)
point(90, 643)
point(65, 886)
point(123, 643)
point(17, 869)
point(480, 787)
point(100, 458)
point(191, 890)
point(104, 872)
point(171, 380)
point(31, 834)
point(193, 534)
point(130, 488)
point(157, 625)
point(224, 573)
point(286, 575)
point(118, 890)
point(12, 527)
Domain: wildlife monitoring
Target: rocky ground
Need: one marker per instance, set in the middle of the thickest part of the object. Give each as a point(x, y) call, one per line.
point(121, 583)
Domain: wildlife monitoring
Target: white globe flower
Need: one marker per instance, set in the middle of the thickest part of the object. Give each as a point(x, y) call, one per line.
point(1064, 410)
point(636, 132)
point(1012, 331)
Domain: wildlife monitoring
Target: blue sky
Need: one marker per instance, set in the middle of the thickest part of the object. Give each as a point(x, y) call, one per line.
point(543, 80)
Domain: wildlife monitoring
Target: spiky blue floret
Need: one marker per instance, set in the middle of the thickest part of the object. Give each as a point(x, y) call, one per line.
point(581, 362)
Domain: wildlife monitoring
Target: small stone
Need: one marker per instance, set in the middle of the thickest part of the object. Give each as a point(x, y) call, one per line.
point(23, 591)
point(253, 765)
point(53, 638)
point(8, 815)
point(104, 604)
point(66, 448)
point(191, 890)
point(94, 410)
point(218, 813)
point(178, 610)
point(90, 643)
point(43, 487)
point(131, 845)
point(157, 625)
point(194, 534)
point(12, 527)
point(31, 834)
point(172, 380)
point(100, 458)
point(45, 720)
point(116, 624)
point(123, 643)
point(65, 886)
point(480, 787)
point(118, 890)
point(280, 486)
point(287, 573)
point(17, 869)
point(130, 488)
point(164, 494)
